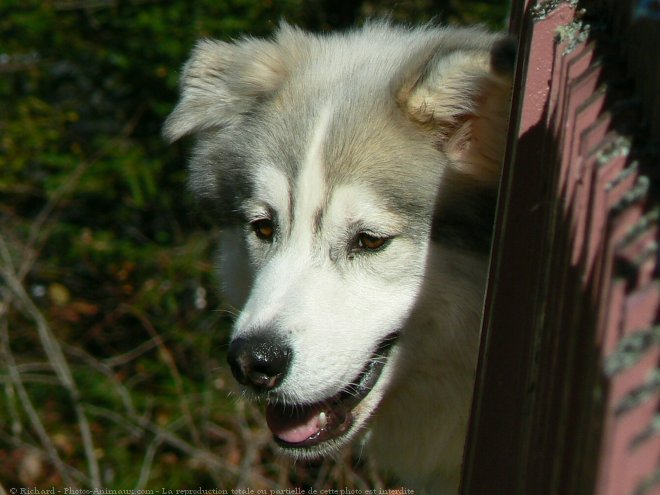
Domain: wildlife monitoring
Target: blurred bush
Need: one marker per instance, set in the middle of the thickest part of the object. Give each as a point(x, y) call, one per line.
point(112, 335)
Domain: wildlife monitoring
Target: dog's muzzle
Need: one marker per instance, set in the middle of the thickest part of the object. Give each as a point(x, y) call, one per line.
point(261, 362)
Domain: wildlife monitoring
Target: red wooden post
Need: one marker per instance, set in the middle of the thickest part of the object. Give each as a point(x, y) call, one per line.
point(566, 400)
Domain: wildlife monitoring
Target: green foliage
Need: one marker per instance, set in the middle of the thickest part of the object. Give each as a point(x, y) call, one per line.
point(105, 258)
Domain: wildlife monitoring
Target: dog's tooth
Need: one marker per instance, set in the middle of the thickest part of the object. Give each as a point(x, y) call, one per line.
point(323, 419)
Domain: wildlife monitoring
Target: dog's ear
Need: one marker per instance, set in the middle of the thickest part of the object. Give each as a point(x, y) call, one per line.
point(463, 99)
point(221, 82)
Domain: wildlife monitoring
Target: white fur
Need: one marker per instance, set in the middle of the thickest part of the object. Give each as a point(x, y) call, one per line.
point(311, 187)
point(300, 289)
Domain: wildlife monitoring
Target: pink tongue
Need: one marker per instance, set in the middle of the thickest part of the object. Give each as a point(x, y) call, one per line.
point(293, 425)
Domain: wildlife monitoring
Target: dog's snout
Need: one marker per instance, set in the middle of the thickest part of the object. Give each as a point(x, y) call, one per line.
point(260, 361)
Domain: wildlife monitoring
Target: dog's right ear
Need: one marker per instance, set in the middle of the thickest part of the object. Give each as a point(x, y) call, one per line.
point(221, 83)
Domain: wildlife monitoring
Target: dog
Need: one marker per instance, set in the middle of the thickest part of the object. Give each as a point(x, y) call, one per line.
point(354, 176)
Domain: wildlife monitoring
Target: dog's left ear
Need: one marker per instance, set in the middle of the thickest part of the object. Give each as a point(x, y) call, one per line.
point(463, 99)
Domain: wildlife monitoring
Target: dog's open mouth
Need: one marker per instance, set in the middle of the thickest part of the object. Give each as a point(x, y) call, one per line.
point(307, 425)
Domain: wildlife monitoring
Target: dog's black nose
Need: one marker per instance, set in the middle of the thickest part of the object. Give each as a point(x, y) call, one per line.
point(260, 361)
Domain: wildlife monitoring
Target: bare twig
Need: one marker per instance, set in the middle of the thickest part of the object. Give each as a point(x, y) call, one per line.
point(26, 402)
point(58, 361)
point(145, 470)
point(167, 358)
point(131, 355)
point(33, 378)
point(10, 393)
point(209, 459)
point(253, 444)
point(105, 370)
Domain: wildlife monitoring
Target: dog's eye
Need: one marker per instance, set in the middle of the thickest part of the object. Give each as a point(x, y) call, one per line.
point(369, 242)
point(264, 229)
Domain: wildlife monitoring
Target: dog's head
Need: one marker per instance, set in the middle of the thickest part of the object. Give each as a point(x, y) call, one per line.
point(331, 163)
